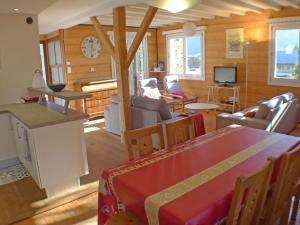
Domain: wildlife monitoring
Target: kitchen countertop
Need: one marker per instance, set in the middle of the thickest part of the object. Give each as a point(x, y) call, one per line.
point(35, 115)
point(66, 95)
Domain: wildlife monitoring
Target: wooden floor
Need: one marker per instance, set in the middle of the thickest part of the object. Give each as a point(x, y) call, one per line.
point(83, 211)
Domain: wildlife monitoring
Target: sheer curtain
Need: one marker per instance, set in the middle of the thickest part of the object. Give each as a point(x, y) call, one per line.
point(139, 67)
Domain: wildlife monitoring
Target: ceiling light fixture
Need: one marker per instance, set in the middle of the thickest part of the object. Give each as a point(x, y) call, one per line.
point(173, 6)
point(16, 9)
point(189, 29)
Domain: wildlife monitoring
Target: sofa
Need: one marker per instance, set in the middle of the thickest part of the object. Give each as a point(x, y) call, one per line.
point(278, 114)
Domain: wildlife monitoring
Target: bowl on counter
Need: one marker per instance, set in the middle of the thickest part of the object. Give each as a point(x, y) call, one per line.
point(57, 87)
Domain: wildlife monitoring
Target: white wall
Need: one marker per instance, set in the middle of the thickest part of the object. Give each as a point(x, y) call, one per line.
point(19, 56)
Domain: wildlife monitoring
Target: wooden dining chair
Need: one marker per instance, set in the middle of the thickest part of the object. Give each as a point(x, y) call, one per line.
point(249, 196)
point(284, 188)
point(180, 131)
point(140, 142)
point(296, 204)
point(124, 219)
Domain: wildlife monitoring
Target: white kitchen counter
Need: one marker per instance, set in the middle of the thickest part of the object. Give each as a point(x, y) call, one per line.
point(35, 115)
point(50, 144)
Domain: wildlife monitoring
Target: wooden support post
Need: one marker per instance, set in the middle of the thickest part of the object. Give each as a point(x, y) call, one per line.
point(140, 34)
point(123, 60)
point(103, 36)
point(119, 19)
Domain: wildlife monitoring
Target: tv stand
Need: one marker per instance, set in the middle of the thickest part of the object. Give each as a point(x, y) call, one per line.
point(226, 85)
point(235, 103)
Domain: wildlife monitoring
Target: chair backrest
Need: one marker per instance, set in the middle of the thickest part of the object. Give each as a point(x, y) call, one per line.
point(140, 143)
point(281, 197)
point(249, 196)
point(148, 88)
point(172, 85)
point(180, 131)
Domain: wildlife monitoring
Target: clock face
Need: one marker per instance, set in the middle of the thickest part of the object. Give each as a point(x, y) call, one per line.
point(91, 47)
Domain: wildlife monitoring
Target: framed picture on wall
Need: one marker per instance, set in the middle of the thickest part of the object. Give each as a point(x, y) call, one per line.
point(234, 43)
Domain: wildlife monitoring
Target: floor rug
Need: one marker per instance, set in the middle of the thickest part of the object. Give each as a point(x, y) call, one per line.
point(12, 174)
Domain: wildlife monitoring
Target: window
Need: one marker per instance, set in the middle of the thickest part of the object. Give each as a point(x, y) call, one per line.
point(138, 69)
point(186, 55)
point(56, 65)
point(284, 54)
point(42, 54)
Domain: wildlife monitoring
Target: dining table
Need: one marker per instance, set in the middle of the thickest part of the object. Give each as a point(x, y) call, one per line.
point(191, 183)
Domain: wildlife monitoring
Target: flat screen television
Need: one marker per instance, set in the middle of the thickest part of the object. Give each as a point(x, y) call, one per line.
point(225, 75)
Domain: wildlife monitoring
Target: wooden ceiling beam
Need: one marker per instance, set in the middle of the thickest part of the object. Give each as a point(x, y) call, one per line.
point(201, 11)
point(185, 15)
point(140, 34)
point(163, 20)
point(243, 6)
point(133, 23)
point(160, 15)
point(289, 3)
point(217, 10)
point(103, 36)
point(263, 4)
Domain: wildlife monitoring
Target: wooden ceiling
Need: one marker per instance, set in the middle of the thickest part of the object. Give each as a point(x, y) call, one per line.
point(207, 9)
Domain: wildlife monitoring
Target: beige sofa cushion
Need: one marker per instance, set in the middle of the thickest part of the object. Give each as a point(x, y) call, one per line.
point(266, 107)
point(288, 96)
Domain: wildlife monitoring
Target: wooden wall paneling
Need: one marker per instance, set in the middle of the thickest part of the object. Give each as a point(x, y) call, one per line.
point(81, 66)
point(103, 35)
point(256, 30)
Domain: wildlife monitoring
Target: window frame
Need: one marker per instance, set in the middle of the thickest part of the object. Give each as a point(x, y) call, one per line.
point(273, 27)
point(179, 34)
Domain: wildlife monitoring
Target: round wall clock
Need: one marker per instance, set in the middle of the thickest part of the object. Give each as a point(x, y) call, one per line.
point(91, 47)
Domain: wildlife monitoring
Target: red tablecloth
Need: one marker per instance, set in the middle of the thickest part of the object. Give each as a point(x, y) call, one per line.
point(192, 183)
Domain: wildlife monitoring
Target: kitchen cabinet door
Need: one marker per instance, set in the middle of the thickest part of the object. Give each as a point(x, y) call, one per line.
point(7, 147)
point(17, 129)
point(25, 148)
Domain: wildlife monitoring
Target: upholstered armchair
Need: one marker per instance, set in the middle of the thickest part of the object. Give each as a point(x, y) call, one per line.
point(149, 88)
point(173, 89)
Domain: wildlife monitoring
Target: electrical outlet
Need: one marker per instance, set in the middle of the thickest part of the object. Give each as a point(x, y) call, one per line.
point(92, 69)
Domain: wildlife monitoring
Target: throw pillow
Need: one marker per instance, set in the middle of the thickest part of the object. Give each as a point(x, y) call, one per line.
point(151, 92)
point(250, 114)
point(180, 94)
point(265, 107)
point(262, 111)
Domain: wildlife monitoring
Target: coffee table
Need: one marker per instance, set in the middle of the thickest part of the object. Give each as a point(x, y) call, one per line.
point(201, 106)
